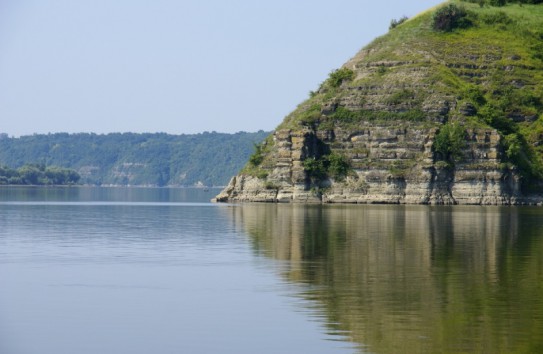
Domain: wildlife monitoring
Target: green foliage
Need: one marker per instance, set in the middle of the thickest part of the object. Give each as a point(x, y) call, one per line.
point(36, 175)
point(331, 165)
point(474, 1)
point(381, 70)
point(311, 115)
point(60, 176)
point(157, 159)
point(497, 2)
point(537, 50)
point(395, 23)
point(513, 146)
point(262, 174)
point(338, 166)
point(270, 186)
point(449, 142)
point(258, 155)
point(495, 117)
point(522, 155)
point(337, 77)
point(495, 18)
point(345, 115)
point(400, 96)
point(508, 98)
point(474, 94)
point(450, 17)
point(502, 2)
point(517, 150)
point(315, 168)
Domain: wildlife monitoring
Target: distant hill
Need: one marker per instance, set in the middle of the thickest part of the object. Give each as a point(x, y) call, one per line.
point(153, 159)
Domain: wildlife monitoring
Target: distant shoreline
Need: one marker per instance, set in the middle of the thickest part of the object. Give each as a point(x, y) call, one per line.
point(107, 186)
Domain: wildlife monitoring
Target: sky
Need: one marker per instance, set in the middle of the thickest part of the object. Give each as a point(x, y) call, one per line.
point(174, 66)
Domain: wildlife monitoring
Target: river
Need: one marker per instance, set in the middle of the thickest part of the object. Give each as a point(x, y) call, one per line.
point(141, 270)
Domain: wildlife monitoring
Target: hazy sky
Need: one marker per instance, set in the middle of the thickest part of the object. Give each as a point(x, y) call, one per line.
point(175, 66)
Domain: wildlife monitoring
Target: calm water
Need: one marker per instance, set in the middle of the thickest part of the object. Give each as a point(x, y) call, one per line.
point(113, 270)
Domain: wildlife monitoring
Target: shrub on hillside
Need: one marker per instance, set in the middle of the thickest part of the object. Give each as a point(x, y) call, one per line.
point(480, 2)
point(495, 18)
point(338, 76)
point(450, 17)
point(332, 165)
point(497, 2)
point(339, 166)
point(395, 23)
point(449, 142)
point(258, 155)
point(503, 2)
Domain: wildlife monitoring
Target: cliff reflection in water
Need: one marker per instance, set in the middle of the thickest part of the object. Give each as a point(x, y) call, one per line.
point(413, 278)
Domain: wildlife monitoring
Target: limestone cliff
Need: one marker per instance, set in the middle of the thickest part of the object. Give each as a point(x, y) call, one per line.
point(422, 115)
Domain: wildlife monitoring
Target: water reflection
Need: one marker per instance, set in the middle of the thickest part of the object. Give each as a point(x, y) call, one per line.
point(412, 278)
point(104, 194)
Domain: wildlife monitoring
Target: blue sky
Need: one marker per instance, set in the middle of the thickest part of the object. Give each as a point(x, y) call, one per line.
point(184, 66)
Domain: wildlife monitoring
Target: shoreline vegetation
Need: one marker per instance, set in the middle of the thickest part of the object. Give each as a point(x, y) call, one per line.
point(38, 175)
point(80, 185)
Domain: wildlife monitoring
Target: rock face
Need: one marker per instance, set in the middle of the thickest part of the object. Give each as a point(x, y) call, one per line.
point(408, 120)
point(390, 165)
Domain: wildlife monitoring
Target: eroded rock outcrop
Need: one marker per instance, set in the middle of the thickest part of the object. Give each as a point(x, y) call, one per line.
point(411, 119)
point(389, 165)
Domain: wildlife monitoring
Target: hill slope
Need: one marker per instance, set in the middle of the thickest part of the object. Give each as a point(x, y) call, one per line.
point(445, 108)
point(157, 159)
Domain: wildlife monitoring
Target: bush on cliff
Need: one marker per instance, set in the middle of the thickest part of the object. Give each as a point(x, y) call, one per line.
point(449, 142)
point(338, 76)
point(395, 23)
point(258, 155)
point(450, 17)
point(332, 165)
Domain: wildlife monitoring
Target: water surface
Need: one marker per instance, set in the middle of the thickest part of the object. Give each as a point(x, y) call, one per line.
point(111, 270)
point(108, 270)
point(414, 278)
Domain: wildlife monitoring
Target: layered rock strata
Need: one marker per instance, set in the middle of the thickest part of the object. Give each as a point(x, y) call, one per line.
point(416, 117)
point(389, 165)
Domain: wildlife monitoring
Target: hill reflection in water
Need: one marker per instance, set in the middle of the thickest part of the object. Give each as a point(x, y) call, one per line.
point(412, 278)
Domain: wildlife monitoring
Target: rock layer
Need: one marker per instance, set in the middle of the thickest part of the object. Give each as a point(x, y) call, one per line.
point(390, 165)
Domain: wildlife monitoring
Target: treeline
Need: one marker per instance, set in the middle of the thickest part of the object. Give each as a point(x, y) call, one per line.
point(153, 159)
point(450, 16)
point(38, 175)
point(503, 2)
